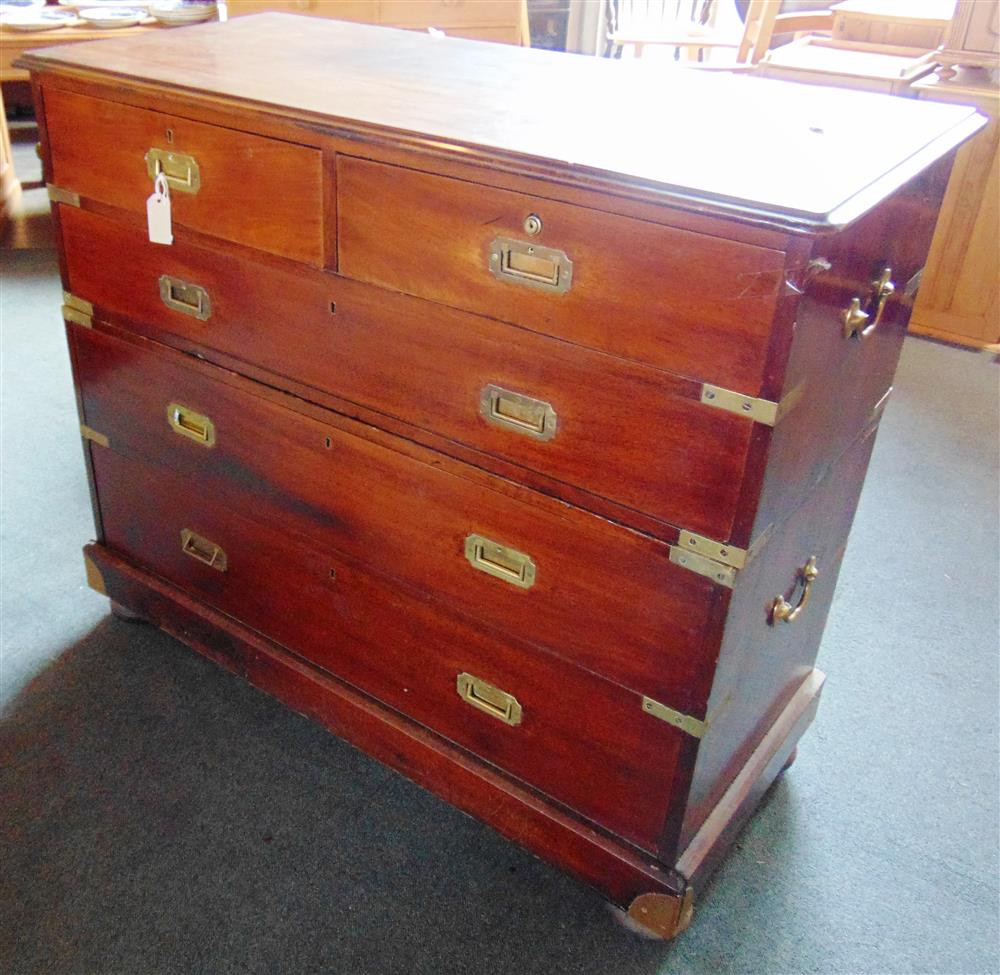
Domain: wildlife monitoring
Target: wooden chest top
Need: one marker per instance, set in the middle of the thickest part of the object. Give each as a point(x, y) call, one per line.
point(796, 156)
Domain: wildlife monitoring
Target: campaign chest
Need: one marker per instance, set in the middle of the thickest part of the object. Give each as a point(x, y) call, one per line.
point(506, 412)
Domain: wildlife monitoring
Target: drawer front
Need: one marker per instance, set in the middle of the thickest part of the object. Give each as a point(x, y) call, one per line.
point(598, 594)
point(696, 305)
point(260, 192)
point(627, 432)
point(580, 739)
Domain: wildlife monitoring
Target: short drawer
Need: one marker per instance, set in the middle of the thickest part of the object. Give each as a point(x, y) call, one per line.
point(601, 596)
point(245, 188)
point(697, 305)
point(580, 739)
point(627, 432)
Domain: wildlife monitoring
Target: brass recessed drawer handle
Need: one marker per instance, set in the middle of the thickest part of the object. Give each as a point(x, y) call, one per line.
point(521, 414)
point(859, 323)
point(189, 299)
point(194, 426)
point(182, 172)
point(489, 699)
point(532, 265)
point(782, 611)
point(203, 550)
point(500, 561)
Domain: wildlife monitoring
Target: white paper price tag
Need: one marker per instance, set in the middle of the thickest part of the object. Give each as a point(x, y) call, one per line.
point(158, 212)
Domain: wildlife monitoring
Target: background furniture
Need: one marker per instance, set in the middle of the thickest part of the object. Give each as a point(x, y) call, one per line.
point(10, 187)
point(898, 23)
point(13, 43)
point(504, 21)
point(958, 297)
point(848, 64)
point(694, 27)
point(973, 37)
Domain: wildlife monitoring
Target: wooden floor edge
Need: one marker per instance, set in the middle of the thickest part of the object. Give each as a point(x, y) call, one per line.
point(621, 873)
point(761, 769)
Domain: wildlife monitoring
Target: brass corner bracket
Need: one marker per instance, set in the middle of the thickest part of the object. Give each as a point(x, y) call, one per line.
point(693, 561)
point(77, 310)
point(89, 433)
point(753, 408)
point(694, 727)
point(58, 195)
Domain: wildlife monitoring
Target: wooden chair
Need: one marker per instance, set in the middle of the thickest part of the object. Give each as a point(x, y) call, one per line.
point(691, 27)
point(688, 26)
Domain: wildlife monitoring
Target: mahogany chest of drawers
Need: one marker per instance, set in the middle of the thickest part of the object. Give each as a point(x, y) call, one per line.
point(506, 412)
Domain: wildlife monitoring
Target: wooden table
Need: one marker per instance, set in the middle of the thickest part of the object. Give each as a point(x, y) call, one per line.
point(13, 43)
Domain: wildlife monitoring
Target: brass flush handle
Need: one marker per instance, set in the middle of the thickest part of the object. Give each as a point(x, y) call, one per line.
point(500, 561)
point(489, 699)
point(182, 172)
point(192, 425)
point(203, 550)
point(783, 611)
point(189, 299)
point(518, 413)
point(856, 319)
point(531, 265)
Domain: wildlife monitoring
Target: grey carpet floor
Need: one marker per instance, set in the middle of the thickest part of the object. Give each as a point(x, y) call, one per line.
point(161, 816)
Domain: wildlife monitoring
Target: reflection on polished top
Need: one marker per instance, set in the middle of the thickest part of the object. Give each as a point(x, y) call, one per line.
point(796, 153)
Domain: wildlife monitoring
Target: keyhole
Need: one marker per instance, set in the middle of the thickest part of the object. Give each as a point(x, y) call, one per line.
point(170, 137)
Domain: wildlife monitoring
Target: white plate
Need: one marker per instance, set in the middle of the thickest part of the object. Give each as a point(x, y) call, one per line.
point(176, 13)
point(105, 4)
point(109, 17)
point(37, 19)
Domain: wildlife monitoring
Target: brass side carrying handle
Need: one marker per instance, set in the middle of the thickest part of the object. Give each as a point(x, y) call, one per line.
point(489, 699)
point(188, 423)
point(500, 561)
point(858, 323)
point(203, 550)
point(782, 611)
point(189, 299)
point(542, 268)
point(518, 413)
point(182, 172)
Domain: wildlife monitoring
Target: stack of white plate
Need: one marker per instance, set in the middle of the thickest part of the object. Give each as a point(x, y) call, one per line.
point(177, 12)
point(112, 15)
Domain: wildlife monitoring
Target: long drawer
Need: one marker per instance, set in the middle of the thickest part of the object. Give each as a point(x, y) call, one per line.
point(515, 707)
point(593, 592)
point(261, 192)
point(697, 305)
point(635, 435)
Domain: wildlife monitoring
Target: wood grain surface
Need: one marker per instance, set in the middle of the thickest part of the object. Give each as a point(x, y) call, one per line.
point(725, 140)
point(255, 191)
point(405, 650)
point(636, 435)
point(700, 306)
point(618, 870)
point(405, 518)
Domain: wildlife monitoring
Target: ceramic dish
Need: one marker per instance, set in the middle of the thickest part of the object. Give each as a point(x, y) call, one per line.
point(104, 4)
point(37, 18)
point(175, 12)
point(113, 16)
